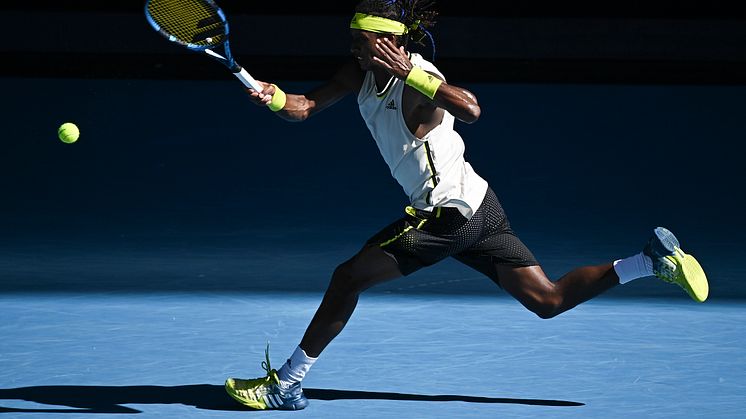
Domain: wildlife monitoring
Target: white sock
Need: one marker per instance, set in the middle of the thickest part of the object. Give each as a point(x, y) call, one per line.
point(295, 368)
point(633, 267)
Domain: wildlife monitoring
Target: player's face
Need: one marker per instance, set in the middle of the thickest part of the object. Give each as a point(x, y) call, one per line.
point(363, 47)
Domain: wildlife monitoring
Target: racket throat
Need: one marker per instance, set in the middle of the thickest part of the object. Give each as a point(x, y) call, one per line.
point(231, 65)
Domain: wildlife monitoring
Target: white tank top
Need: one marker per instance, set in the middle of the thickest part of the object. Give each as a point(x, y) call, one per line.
point(431, 170)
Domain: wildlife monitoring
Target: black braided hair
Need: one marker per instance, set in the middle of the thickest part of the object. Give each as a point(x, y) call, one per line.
point(414, 14)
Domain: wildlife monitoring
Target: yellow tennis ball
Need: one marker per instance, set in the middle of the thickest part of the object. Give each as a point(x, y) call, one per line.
point(68, 132)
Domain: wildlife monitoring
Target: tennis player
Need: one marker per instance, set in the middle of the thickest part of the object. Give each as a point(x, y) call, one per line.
point(410, 110)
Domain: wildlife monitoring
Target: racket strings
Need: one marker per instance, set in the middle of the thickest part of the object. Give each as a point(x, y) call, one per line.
point(190, 22)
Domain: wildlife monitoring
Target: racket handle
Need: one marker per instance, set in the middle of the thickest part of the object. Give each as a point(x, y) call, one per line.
point(247, 80)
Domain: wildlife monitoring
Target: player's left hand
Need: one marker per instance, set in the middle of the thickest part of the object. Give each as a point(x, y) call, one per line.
point(391, 58)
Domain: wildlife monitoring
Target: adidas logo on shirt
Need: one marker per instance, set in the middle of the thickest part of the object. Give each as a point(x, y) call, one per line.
point(391, 105)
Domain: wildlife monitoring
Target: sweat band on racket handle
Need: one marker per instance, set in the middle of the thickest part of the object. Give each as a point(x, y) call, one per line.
point(247, 80)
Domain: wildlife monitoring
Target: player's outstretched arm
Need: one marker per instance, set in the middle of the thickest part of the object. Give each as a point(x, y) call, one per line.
point(299, 107)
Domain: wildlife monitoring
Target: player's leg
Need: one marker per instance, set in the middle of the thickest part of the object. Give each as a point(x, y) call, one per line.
point(281, 389)
point(531, 287)
point(390, 253)
point(421, 238)
point(661, 257)
point(513, 267)
point(503, 257)
point(367, 268)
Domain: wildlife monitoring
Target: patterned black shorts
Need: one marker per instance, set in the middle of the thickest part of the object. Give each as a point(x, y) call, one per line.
point(423, 238)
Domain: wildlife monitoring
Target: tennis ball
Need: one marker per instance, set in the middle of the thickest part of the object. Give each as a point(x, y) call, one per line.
point(68, 132)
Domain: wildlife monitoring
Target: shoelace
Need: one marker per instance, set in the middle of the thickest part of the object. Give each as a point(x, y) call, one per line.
point(671, 266)
point(271, 374)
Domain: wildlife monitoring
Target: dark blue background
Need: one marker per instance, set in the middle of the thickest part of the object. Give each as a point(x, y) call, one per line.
point(186, 185)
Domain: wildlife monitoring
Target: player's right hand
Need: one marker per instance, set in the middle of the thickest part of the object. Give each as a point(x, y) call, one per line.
point(261, 98)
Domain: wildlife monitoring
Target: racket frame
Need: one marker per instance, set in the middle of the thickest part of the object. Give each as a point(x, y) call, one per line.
point(226, 59)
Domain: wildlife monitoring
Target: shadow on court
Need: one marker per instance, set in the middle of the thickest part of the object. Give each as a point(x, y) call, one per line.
point(110, 399)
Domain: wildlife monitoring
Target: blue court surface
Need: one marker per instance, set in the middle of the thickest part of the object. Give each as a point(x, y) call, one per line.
point(402, 356)
point(157, 256)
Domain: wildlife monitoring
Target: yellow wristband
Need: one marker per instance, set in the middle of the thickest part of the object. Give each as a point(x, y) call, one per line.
point(278, 100)
point(424, 82)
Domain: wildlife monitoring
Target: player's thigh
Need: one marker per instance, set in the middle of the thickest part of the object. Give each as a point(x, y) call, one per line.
point(501, 249)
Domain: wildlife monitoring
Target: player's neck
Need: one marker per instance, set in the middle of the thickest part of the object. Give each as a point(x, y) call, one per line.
point(383, 79)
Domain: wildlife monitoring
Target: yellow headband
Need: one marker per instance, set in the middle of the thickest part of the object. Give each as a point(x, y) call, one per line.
point(377, 24)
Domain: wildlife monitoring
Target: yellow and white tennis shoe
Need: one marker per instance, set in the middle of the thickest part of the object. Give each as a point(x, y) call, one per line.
point(266, 392)
point(672, 265)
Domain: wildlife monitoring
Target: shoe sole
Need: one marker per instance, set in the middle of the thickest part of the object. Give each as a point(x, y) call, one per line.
point(695, 281)
point(667, 239)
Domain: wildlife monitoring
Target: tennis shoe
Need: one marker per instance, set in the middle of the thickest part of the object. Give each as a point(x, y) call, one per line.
point(266, 392)
point(672, 265)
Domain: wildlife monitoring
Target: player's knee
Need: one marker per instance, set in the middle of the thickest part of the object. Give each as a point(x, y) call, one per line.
point(546, 307)
point(343, 281)
point(546, 312)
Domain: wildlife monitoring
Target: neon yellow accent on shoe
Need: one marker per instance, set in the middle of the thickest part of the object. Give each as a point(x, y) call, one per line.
point(266, 392)
point(684, 271)
point(251, 392)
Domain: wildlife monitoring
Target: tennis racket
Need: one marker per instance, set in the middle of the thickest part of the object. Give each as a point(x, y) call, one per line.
point(199, 25)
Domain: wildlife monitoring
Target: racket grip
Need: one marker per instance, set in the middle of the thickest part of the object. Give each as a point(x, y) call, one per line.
point(247, 80)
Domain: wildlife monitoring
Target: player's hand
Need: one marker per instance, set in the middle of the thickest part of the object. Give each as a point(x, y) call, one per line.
point(264, 97)
point(393, 59)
